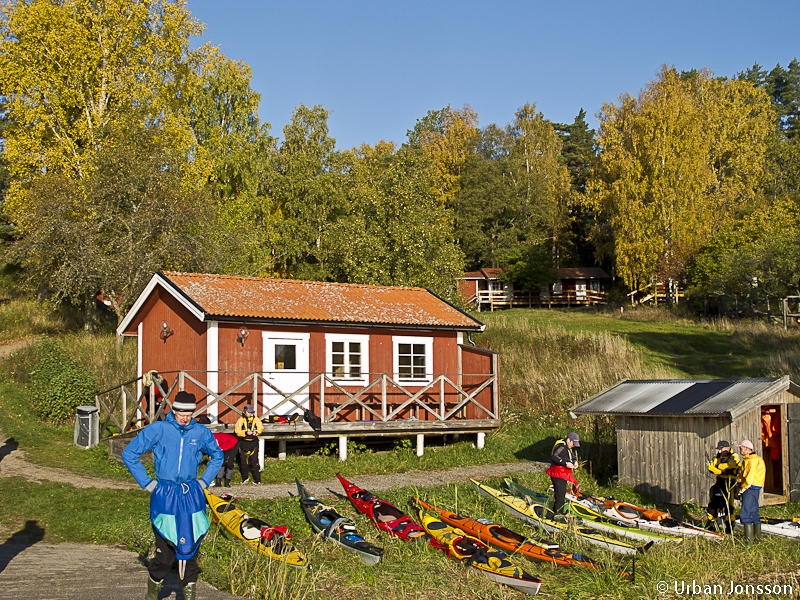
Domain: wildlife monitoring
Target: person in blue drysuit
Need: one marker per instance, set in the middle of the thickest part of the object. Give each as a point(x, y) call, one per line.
point(177, 504)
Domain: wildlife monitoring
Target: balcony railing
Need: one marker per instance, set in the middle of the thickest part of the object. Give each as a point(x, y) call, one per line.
point(492, 299)
point(383, 399)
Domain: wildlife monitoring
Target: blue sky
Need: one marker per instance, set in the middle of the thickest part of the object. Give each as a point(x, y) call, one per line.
point(379, 66)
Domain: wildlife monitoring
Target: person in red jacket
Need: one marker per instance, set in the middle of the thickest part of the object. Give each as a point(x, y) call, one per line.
point(229, 444)
point(562, 463)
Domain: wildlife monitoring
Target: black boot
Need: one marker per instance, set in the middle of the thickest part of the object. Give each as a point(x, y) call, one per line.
point(189, 591)
point(218, 482)
point(227, 483)
point(749, 533)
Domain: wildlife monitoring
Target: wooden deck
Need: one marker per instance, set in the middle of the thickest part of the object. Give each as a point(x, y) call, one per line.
point(465, 403)
point(499, 299)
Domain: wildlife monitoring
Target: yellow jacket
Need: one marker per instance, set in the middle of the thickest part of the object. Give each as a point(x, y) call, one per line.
point(245, 424)
point(754, 471)
point(727, 468)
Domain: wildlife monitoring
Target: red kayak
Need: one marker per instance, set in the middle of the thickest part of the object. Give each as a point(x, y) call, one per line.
point(386, 516)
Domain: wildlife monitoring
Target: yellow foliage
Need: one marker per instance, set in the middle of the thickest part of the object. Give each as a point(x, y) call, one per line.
point(448, 148)
point(675, 164)
point(72, 70)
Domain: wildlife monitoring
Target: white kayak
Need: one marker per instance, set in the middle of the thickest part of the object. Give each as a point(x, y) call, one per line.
point(784, 528)
point(645, 519)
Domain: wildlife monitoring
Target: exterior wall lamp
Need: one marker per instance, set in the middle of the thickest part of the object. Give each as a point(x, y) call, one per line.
point(243, 333)
point(165, 331)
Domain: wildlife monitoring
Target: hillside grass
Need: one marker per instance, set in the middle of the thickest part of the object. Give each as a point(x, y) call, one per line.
point(550, 360)
point(60, 513)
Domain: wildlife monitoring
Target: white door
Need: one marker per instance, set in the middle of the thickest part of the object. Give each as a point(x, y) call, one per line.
point(286, 368)
point(580, 289)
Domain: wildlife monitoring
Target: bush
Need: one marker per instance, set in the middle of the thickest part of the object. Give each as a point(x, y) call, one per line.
point(58, 383)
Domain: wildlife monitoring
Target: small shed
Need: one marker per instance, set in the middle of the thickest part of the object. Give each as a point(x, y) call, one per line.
point(667, 432)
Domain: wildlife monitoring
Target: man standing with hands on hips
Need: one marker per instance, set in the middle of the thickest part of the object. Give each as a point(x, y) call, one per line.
point(177, 504)
point(562, 463)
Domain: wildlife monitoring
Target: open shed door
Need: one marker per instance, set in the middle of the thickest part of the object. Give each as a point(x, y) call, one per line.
point(793, 438)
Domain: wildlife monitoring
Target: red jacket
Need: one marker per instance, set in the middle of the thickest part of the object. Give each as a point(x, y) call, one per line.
point(226, 441)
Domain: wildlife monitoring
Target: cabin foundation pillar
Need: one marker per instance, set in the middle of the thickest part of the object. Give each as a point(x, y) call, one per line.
point(481, 440)
point(342, 448)
point(281, 449)
point(420, 444)
point(261, 444)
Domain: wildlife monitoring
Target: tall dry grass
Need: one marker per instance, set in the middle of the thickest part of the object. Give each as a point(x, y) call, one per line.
point(26, 318)
point(110, 363)
point(546, 369)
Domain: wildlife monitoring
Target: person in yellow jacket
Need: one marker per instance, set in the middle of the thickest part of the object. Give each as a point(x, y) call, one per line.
point(751, 482)
point(725, 466)
point(248, 428)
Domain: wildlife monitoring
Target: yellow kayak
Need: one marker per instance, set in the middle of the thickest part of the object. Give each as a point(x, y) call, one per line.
point(272, 542)
point(493, 563)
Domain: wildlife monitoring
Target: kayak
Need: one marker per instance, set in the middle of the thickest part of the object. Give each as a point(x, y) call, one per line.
point(651, 519)
point(783, 527)
point(506, 539)
point(540, 516)
point(385, 516)
point(595, 520)
point(272, 542)
point(333, 526)
point(472, 551)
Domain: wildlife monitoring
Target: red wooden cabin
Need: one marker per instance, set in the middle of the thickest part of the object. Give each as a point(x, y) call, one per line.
point(364, 358)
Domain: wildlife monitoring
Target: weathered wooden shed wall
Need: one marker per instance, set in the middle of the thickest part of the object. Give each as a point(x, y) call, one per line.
point(667, 456)
point(664, 455)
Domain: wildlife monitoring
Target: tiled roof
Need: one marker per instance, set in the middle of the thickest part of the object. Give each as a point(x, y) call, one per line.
point(565, 273)
point(254, 298)
point(690, 397)
point(582, 273)
point(493, 273)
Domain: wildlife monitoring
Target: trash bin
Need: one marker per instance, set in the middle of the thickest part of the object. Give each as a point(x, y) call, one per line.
point(87, 427)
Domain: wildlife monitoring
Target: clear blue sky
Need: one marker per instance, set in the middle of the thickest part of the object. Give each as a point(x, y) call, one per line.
point(379, 66)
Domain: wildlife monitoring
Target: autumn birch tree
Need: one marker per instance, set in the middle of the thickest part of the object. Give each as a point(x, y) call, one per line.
point(675, 164)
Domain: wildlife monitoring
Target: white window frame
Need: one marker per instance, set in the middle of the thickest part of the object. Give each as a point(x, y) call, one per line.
point(330, 338)
point(402, 339)
point(558, 289)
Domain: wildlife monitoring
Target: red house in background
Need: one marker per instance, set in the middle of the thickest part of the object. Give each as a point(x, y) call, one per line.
point(366, 359)
point(576, 287)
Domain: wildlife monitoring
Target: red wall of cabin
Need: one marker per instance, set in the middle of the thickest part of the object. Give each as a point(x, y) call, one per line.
point(183, 350)
point(186, 349)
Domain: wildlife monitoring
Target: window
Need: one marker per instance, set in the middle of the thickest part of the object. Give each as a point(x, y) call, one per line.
point(413, 359)
point(594, 285)
point(347, 358)
point(285, 357)
point(557, 288)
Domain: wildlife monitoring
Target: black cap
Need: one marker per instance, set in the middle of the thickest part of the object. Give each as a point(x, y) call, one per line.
point(722, 444)
point(184, 402)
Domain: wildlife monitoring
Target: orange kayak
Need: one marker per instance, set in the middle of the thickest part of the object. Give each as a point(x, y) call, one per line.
point(504, 538)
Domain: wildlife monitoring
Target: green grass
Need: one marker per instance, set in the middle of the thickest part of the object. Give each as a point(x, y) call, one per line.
point(550, 359)
point(61, 513)
point(688, 348)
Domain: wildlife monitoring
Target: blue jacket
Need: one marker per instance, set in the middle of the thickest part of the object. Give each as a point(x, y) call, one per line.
point(177, 451)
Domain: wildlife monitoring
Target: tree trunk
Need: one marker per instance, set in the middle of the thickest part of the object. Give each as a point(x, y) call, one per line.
point(89, 312)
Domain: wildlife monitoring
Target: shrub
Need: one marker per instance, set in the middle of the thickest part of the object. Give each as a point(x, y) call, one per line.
point(58, 383)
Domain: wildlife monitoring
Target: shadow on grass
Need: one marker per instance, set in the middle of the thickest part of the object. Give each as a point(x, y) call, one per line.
point(19, 542)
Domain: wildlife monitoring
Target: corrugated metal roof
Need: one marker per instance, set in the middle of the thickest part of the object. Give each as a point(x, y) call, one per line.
point(675, 396)
point(287, 299)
